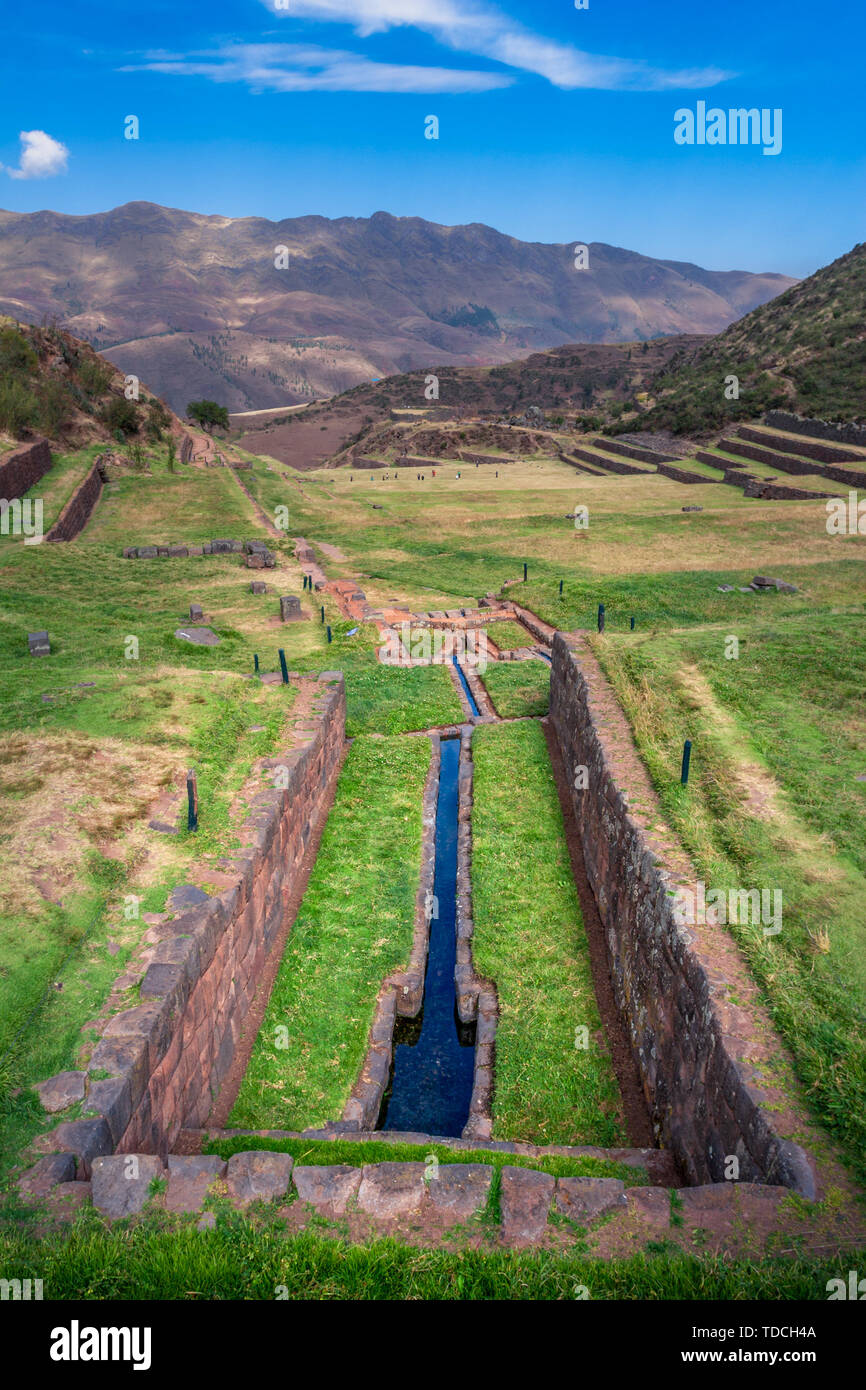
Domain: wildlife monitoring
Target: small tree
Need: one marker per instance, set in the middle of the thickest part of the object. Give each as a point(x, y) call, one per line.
point(172, 454)
point(208, 413)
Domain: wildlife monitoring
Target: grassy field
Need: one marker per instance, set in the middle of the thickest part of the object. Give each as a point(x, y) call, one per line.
point(508, 635)
point(518, 688)
point(355, 925)
point(245, 1259)
point(554, 1082)
point(774, 801)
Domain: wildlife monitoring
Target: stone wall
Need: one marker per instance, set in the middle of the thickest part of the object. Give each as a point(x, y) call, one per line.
point(843, 433)
point(78, 510)
point(161, 1064)
point(23, 468)
point(698, 1056)
point(680, 475)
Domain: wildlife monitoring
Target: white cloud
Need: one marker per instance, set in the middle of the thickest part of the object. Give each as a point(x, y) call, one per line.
point(303, 68)
point(469, 26)
point(41, 156)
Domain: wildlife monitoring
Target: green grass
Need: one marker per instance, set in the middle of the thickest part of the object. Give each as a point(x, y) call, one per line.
point(791, 706)
point(356, 1153)
point(518, 688)
point(355, 925)
point(529, 940)
point(507, 636)
point(240, 1259)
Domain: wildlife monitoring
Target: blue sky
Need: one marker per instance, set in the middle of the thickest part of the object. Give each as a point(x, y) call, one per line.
point(555, 124)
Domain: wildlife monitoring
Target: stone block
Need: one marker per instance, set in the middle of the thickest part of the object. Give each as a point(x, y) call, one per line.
point(390, 1190)
point(290, 608)
point(61, 1091)
point(583, 1199)
point(327, 1187)
point(189, 1179)
point(86, 1139)
point(38, 644)
point(459, 1190)
point(526, 1199)
point(258, 1175)
point(121, 1183)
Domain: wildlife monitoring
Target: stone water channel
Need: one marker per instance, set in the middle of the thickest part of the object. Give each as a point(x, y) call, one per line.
point(434, 1054)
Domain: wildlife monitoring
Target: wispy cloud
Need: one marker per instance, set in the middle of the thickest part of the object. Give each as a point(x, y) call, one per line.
point(41, 156)
point(286, 67)
point(471, 27)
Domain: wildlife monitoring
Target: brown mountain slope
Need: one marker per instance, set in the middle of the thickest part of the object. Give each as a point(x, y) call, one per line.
point(195, 305)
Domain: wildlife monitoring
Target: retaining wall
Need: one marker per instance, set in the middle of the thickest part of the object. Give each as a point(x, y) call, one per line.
point(78, 510)
point(696, 1054)
point(21, 469)
point(166, 1058)
point(843, 433)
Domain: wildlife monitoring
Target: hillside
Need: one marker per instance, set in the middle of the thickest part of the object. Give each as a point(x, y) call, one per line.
point(805, 351)
point(54, 385)
point(582, 383)
point(194, 304)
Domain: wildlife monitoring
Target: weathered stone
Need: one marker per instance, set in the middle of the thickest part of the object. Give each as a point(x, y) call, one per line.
point(121, 1183)
point(290, 607)
point(189, 1179)
point(87, 1139)
point(195, 612)
point(38, 644)
point(258, 1175)
point(147, 552)
point(583, 1199)
point(459, 1190)
point(258, 587)
point(199, 636)
point(186, 895)
point(113, 1100)
point(389, 1190)
point(47, 1173)
point(526, 1199)
point(327, 1187)
point(177, 552)
point(61, 1091)
point(651, 1205)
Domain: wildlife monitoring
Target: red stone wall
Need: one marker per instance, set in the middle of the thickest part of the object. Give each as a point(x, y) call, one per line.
point(21, 469)
point(168, 1056)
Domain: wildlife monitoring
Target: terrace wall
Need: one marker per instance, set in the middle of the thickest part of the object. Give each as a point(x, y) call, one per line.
point(695, 1054)
point(163, 1062)
point(23, 468)
point(78, 510)
point(842, 433)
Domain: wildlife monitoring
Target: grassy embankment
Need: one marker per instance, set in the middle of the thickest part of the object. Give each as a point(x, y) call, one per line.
point(774, 801)
point(554, 1082)
point(354, 927)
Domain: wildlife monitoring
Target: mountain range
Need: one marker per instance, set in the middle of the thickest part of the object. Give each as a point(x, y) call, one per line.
point(254, 313)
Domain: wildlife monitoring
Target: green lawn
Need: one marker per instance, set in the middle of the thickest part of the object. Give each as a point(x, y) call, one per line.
point(355, 925)
point(554, 1083)
point(518, 688)
point(774, 801)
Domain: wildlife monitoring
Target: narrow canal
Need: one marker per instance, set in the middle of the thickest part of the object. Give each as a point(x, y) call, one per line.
point(464, 682)
point(434, 1054)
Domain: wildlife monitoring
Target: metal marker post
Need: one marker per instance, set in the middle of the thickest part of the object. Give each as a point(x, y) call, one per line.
point(687, 754)
point(256, 660)
point(601, 617)
point(283, 667)
point(192, 801)
point(329, 633)
point(632, 624)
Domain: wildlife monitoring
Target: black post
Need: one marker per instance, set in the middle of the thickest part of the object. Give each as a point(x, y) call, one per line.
point(329, 632)
point(601, 617)
point(632, 624)
point(687, 754)
point(524, 571)
point(283, 667)
point(323, 613)
point(560, 588)
point(192, 801)
point(256, 660)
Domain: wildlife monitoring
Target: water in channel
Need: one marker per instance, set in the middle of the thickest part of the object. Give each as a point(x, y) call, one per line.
point(434, 1054)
